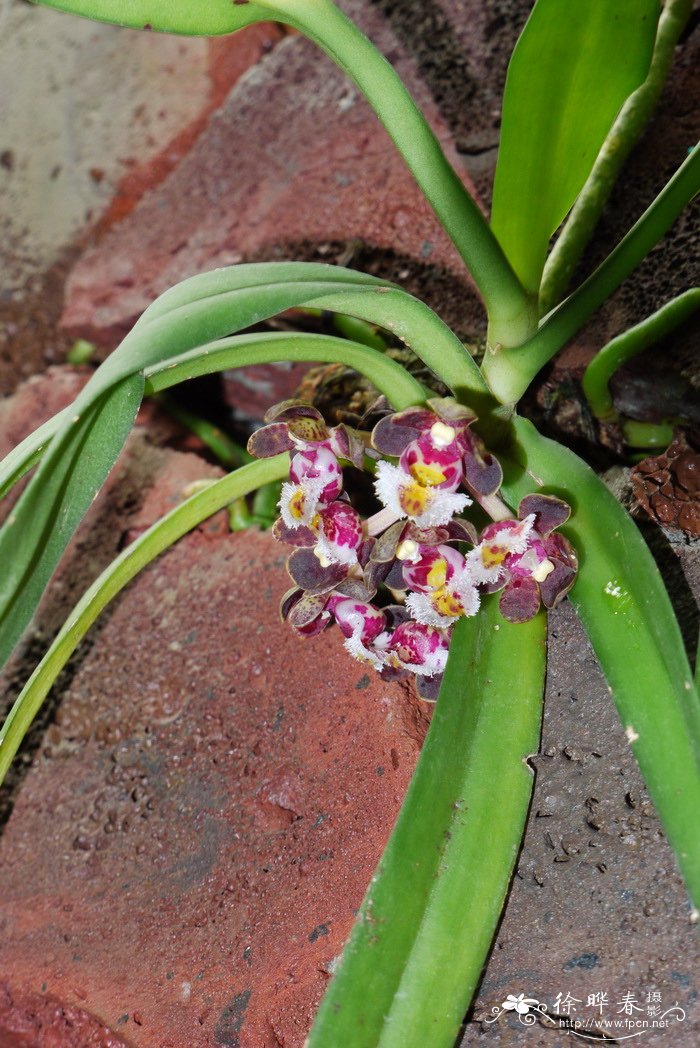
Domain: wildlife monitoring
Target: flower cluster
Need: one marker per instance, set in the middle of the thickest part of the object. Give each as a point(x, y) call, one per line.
point(396, 583)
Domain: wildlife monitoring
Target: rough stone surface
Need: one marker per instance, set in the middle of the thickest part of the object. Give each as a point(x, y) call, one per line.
point(36, 1020)
point(91, 116)
point(185, 857)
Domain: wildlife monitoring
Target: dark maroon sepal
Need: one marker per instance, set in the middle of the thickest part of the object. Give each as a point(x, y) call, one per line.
point(270, 440)
point(355, 589)
point(429, 687)
point(494, 587)
point(365, 551)
point(375, 572)
point(482, 470)
point(306, 613)
point(394, 579)
point(303, 420)
point(348, 445)
point(520, 600)
point(291, 410)
point(393, 434)
point(461, 530)
point(301, 536)
point(305, 569)
point(393, 673)
point(550, 512)
point(395, 614)
point(558, 582)
point(288, 601)
point(384, 550)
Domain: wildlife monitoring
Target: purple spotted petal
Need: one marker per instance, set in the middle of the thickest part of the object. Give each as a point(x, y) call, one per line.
point(433, 467)
point(318, 464)
point(394, 433)
point(482, 470)
point(270, 440)
point(355, 589)
point(550, 512)
point(348, 444)
point(339, 533)
point(429, 687)
point(558, 583)
point(300, 536)
point(420, 572)
point(305, 612)
point(422, 649)
point(520, 600)
point(305, 569)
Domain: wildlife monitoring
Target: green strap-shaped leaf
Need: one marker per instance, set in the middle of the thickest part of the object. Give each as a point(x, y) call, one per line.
point(41, 524)
point(628, 616)
point(415, 955)
point(205, 18)
point(572, 69)
point(390, 378)
point(113, 579)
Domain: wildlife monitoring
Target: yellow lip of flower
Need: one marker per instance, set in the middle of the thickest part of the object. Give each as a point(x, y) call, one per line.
point(427, 474)
point(437, 576)
point(447, 603)
point(493, 555)
point(296, 505)
point(414, 498)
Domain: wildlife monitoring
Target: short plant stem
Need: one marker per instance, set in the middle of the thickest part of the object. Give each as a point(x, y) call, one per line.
point(225, 450)
point(623, 136)
point(596, 378)
point(381, 520)
point(510, 371)
point(494, 506)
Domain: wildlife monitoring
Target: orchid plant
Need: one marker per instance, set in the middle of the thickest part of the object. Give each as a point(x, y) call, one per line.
point(412, 587)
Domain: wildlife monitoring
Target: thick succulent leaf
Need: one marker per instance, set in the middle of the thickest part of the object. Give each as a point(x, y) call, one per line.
point(210, 18)
point(572, 69)
point(416, 952)
point(114, 578)
point(41, 524)
point(624, 606)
